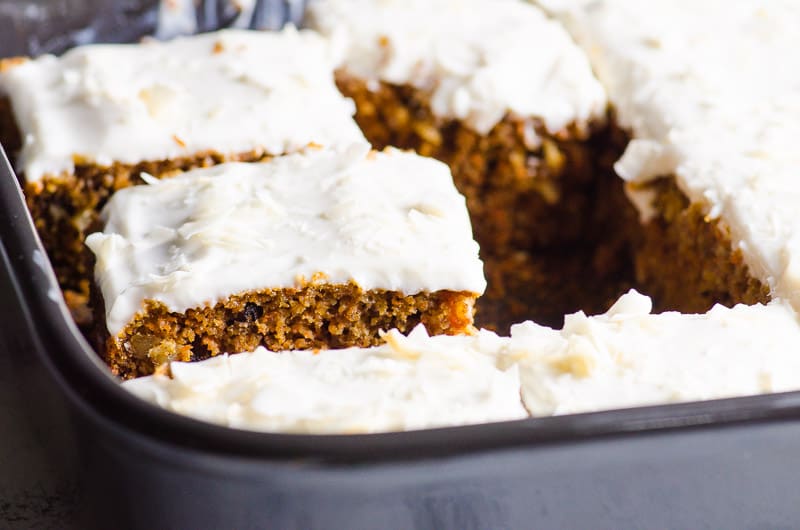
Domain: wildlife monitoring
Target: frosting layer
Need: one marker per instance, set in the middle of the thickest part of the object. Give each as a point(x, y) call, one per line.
point(626, 357)
point(413, 382)
point(711, 96)
point(629, 357)
point(390, 220)
point(231, 92)
point(479, 59)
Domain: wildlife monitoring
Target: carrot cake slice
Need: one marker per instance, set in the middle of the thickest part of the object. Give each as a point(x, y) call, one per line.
point(501, 94)
point(626, 357)
point(313, 250)
point(88, 123)
point(713, 163)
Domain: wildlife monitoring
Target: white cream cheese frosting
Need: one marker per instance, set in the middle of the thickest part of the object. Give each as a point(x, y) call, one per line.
point(630, 357)
point(479, 59)
point(391, 220)
point(413, 382)
point(624, 358)
point(710, 90)
point(231, 92)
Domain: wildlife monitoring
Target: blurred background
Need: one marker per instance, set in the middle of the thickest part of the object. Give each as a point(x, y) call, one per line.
point(34, 27)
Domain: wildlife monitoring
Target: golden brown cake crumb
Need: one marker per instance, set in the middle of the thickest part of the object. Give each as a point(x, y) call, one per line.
point(686, 262)
point(313, 316)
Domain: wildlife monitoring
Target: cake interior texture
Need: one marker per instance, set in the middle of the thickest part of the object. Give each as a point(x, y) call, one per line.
point(556, 230)
point(314, 316)
point(686, 261)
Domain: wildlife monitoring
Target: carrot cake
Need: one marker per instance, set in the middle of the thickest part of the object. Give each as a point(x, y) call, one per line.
point(712, 165)
point(501, 94)
point(623, 358)
point(323, 249)
point(656, 153)
point(88, 123)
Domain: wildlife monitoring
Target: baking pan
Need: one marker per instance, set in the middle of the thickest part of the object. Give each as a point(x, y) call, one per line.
point(729, 463)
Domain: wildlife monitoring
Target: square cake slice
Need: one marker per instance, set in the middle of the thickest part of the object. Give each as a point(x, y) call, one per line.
point(322, 249)
point(87, 123)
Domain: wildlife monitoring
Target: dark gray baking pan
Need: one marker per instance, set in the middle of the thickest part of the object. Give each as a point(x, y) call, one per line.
point(731, 463)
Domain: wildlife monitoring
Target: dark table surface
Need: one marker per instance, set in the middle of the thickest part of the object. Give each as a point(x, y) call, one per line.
point(36, 490)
